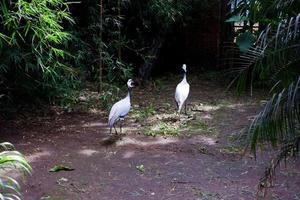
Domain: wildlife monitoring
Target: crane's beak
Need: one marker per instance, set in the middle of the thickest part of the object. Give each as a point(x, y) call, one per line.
point(132, 84)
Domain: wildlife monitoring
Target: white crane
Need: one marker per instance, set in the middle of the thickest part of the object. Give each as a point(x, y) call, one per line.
point(182, 91)
point(120, 109)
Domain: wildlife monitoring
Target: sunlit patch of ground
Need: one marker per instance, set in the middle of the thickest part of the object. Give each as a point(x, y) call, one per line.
point(38, 155)
point(155, 141)
point(204, 140)
point(94, 124)
point(128, 154)
point(205, 108)
point(88, 152)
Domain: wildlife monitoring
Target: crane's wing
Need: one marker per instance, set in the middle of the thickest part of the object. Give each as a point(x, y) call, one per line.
point(182, 92)
point(177, 93)
point(113, 115)
point(119, 109)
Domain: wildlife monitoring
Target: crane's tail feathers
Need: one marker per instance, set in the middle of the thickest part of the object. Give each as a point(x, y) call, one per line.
point(111, 123)
point(177, 105)
point(179, 108)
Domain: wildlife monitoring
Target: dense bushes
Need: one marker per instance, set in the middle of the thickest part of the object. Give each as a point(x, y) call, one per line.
point(34, 59)
point(50, 47)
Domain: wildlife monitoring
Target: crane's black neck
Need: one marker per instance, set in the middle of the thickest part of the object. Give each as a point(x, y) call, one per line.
point(184, 76)
point(129, 91)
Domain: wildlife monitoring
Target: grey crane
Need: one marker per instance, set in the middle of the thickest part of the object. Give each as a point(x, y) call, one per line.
point(182, 91)
point(120, 109)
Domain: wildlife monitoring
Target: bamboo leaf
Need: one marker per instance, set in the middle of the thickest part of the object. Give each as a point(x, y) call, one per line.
point(58, 168)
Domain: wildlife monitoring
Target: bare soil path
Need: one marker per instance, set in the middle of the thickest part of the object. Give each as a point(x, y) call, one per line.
point(201, 163)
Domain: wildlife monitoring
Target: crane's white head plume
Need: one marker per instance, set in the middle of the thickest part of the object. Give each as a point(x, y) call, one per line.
point(184, 67)
point(130, 83)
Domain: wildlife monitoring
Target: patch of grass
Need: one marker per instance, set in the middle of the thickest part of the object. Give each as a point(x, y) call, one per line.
point(163, 128)
point(200, 126)
point(232, 150)
point(224, 103)
point(141, 114)
point(234, 138)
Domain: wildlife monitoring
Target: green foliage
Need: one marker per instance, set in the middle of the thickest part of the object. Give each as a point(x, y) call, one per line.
point(261, 13)
point(109, 96)
point(148, 23)
point(11, 160)
point(167, 12)
point(274, 59)
point(142, 113)
point(34, 40)
point(91, 48)
point(32, 49)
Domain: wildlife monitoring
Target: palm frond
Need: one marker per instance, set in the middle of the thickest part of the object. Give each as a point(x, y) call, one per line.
point(278, 123)
point(275, 52)
point(283, 3)
point(274, 59)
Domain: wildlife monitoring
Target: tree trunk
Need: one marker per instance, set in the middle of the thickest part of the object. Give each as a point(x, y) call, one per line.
point(100, 86)
point(119, 16)
point(146, 69)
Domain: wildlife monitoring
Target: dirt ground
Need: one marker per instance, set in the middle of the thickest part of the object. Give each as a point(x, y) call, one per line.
point(199, 162)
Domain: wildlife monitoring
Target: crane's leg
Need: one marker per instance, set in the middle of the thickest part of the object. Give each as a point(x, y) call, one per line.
point(178, 113)
point(179, 110)
point(121, 124)
point(110, 130)
point(115, 130)
point(177, 106)
point(185, 107)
